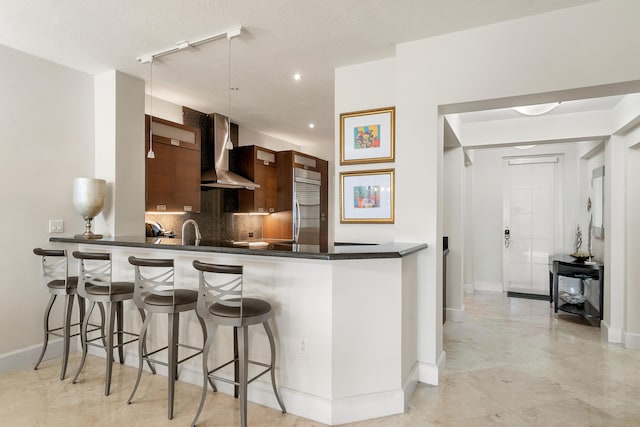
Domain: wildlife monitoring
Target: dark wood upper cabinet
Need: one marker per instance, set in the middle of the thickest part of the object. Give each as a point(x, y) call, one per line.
point(259, 165)
point(172, 178)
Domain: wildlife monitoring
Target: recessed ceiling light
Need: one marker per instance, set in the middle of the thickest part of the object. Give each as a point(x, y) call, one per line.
point(536, 110)
point(297, 76)
point(311, 125)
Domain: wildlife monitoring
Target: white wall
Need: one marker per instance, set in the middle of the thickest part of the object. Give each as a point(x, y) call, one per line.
point(250, 137)
point(488, 204)
point(173, 112)
point(357, 91)
point(631, 336)
point(163, 109)
point(453, 228)
point(586, 173)
point(46, 131)
point(504, 62)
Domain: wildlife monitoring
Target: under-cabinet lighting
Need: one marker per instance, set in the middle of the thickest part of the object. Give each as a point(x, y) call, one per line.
point(251, 213)
point(164, 213)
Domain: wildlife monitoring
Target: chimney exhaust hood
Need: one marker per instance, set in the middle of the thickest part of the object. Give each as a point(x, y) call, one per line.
point(215, 157)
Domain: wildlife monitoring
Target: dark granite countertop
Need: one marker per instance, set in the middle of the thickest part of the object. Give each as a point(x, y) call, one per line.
point(339, 251)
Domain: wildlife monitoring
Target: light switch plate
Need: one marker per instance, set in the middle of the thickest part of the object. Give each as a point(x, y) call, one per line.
point(56, 226)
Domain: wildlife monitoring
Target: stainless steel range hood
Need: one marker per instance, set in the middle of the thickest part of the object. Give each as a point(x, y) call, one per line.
point(216, 173)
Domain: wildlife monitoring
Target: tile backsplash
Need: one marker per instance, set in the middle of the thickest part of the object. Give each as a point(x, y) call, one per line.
point(214, 223)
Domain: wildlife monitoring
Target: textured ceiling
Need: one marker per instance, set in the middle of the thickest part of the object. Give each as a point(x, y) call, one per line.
point(280, 37)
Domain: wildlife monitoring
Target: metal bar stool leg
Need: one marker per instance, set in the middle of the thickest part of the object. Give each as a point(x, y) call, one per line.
point(120, 331)
point(110, 320)
point(205, 371)
point(236, 363)
point(66, 333)
point(172, 374)
point(103, 324)
point(272, 344)
point(141, 354)
point(144, 343)
point(45, 341)
point(243, 352)
point(85, 345)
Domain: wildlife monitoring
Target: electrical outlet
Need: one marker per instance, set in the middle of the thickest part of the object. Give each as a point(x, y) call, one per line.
point(56, 226)
point(303, 346)
point(251, 234)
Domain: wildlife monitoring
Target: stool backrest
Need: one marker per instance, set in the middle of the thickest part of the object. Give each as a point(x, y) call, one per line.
point(219, 284)
point(54, 266)
point(153, 276)
point(94, 269)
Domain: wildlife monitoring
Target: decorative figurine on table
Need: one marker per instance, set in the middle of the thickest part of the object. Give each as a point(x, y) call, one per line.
point(577, 244)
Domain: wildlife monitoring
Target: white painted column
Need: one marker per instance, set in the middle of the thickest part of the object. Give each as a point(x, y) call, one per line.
point(119, 152)
point(467, 209)
point(454, 229)
point(631, 335)
point(615, 239)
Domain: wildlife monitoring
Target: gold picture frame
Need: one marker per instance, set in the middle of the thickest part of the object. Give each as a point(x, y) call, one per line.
point(367, 197)
point(368, 136)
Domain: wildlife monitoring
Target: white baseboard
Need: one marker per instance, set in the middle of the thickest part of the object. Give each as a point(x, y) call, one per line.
point(631, 340)
point(409, 386)
point(429, 373)
point(456, 314)
point(609, 334)
point(330, 412)
point(468, 288)
point(488, 286)
point(26, 358)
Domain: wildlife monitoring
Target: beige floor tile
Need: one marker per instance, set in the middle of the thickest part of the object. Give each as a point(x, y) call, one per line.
point(511, 363)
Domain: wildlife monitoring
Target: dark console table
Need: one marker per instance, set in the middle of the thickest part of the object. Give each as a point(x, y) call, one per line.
point(587, 299)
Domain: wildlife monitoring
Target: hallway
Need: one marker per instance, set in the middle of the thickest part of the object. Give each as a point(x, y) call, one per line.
point(511, 363)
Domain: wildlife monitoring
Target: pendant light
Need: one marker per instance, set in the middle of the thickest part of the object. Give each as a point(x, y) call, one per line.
point(229, 144)
point(151, 154)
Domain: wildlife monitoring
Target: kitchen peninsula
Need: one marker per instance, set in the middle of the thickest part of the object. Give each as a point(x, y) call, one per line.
point(345, 319)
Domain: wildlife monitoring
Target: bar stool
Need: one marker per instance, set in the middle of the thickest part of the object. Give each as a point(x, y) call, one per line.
point(155, 292)
point(220, 302)
point(55, 277)
point(96, 286)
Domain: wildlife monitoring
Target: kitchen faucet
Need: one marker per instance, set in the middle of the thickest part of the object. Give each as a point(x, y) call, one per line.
point(195, 227)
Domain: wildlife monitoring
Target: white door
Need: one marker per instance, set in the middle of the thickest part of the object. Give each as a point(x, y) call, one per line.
point(529, 223)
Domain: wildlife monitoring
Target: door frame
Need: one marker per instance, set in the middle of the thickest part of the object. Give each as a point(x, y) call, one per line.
point(558, 228)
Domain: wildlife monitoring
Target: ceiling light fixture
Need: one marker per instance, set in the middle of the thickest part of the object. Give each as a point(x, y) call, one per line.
point(537, 109)
point(311, 125)
point(184, 44)
point(149, 58)
point(229, 144)
point(151, 154)
point(297, 76)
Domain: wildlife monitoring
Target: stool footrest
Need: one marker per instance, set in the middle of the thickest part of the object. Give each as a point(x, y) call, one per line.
point(160, 362)
point(226, 380)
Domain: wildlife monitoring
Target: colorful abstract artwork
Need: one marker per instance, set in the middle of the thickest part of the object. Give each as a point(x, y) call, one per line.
point(366, 137)
point(366, 196)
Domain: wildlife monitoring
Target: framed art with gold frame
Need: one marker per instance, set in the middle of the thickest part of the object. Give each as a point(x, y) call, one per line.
point(366, 197)
point(368, 136)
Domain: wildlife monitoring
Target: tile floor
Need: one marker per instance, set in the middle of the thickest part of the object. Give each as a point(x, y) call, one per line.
point(511, 363)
